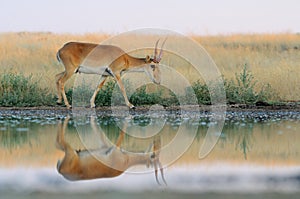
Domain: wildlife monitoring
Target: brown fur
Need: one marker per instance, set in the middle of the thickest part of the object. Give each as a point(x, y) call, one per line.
point(75, 54)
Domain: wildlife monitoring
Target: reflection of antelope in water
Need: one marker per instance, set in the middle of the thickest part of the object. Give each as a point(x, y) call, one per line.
point(83, 165)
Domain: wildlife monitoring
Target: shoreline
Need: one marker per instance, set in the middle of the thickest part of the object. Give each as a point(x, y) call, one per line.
point(287, 111)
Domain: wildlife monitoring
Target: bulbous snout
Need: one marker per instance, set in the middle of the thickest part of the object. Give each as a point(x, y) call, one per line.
point(157, 76)
point(156, 81)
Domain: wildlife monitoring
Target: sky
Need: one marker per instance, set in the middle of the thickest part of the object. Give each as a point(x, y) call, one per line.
point(204, 17)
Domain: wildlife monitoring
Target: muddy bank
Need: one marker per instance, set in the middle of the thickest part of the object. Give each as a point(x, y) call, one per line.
point(289, 111)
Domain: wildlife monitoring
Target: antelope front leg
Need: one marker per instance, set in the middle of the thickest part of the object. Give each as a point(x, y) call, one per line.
point(92, 101)
point(121, 86)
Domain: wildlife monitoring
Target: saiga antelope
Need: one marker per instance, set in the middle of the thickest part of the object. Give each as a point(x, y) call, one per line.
point(104, 60)
point(84, 165)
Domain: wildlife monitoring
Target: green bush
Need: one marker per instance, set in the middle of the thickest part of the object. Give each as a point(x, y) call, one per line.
point(83, 94)
point(141, 97)
point(106, 93)
point(19, 90)
point(243, 90)
point(172, 100)
point(201, 91)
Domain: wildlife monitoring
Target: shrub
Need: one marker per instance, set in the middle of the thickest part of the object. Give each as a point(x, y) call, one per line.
point(201, 91)
point(18, 90)
point(106, 93)
point(141, 97)
point(243, 90)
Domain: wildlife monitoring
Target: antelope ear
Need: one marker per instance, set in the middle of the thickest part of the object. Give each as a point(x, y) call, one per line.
point(148, 59)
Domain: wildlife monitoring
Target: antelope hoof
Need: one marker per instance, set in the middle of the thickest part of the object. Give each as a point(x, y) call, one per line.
point(93, 106)
point(59, 102)
point(69, 107)
point(132, 107)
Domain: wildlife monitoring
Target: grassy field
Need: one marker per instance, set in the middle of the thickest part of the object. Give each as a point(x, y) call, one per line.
point(272, 59)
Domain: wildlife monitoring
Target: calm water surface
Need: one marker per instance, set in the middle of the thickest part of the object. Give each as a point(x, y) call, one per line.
point(252, 155)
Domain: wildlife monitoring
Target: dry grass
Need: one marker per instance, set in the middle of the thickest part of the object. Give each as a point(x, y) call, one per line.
point(272, 58)
point(35, 53)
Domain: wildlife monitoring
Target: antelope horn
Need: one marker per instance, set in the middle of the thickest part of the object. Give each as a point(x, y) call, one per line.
point(155, 50)
point(156, 162)
point(162, 172)
point(157, 165)
point(161, 49)
point(156, 173)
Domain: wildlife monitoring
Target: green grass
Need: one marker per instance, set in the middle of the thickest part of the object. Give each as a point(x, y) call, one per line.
point(19, 90)
point(141, 97)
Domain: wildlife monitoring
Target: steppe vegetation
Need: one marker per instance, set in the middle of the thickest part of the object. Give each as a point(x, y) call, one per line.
point(256, 68)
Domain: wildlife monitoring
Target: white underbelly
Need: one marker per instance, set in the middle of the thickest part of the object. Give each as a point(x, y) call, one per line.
point(100, 70)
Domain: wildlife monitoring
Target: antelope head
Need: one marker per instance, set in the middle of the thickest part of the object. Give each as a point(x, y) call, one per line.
point(152, 68)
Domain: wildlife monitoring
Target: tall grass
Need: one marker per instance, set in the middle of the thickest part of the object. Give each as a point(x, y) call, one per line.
point(35, 53)
point(273, 59)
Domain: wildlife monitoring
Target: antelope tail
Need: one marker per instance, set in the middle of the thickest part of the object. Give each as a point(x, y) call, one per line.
point(58, 56)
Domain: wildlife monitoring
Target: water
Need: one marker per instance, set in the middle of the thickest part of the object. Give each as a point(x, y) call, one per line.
point(255, 154)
